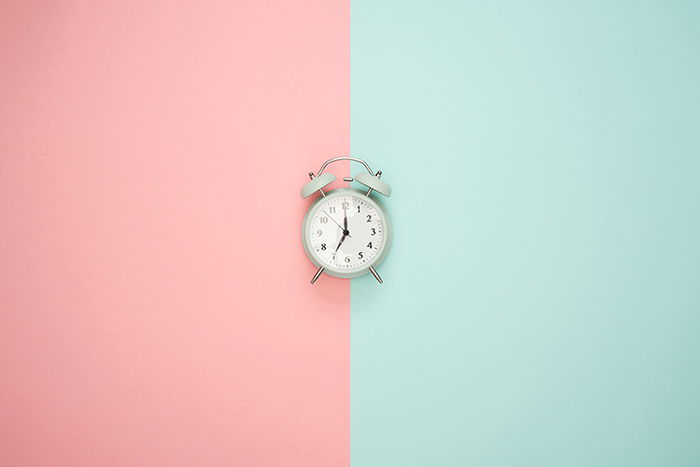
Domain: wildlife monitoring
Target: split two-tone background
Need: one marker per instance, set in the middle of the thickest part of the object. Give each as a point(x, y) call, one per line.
point(541, 304)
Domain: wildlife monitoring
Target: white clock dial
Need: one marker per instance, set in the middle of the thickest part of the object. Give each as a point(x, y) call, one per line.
point(345, 232)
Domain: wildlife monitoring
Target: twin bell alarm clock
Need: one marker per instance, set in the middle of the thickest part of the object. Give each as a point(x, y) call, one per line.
point(346, 232)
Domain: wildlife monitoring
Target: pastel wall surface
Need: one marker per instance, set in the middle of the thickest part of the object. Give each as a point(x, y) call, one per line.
point(541, 305)
point(155, 308)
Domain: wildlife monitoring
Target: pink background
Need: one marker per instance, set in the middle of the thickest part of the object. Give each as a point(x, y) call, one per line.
point(155, 306)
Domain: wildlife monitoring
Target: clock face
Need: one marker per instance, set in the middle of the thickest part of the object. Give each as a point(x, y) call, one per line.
point(345, 232)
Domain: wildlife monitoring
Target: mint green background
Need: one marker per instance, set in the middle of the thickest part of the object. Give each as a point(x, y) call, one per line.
point(541, 304)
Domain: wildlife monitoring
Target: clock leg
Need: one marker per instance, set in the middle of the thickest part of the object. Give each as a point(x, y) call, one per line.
point(318, 274)
point(375, 274)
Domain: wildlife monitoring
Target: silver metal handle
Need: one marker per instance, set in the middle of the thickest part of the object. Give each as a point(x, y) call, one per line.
point(344, 158)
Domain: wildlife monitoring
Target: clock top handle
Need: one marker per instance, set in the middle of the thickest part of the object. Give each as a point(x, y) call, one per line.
point(344, 158)
point(371, 179)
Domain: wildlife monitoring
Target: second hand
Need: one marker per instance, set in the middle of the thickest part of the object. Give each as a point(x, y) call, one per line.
point(341, 227)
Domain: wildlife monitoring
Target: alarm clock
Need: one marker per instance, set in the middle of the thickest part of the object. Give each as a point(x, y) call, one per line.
point(346, 232)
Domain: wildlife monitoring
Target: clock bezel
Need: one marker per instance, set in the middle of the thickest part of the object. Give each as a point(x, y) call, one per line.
point(381, 253)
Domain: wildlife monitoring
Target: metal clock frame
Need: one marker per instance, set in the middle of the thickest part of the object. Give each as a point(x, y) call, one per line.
point(374, 184)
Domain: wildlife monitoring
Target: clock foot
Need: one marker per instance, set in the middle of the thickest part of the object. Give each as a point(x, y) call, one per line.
point(375, 274)
point(318, 274)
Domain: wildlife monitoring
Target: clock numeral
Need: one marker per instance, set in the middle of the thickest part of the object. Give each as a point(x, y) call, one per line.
point(369, 218)
point(331, 209)
point(323, 246)
point(324, 220)
point(369, 245)
point(347, 259)
point(346, 205)
point(320, 232)
point(359, 255)
point(374, 231)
